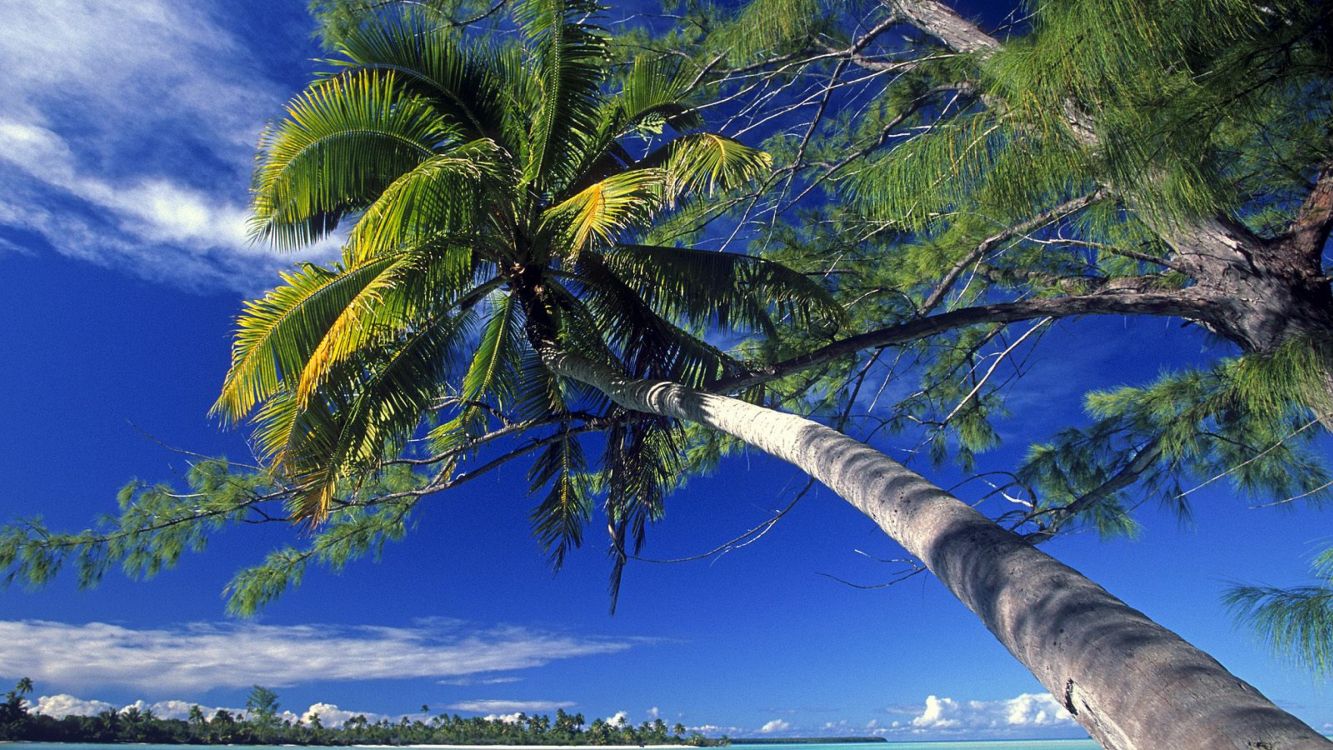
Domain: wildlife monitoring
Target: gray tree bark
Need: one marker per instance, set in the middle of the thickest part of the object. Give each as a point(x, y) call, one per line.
point(1131, 683)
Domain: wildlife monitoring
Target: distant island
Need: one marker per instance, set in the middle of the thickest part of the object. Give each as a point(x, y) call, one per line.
point(262, 724)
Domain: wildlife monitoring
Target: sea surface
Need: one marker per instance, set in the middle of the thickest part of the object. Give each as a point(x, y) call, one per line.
point(944, 745)
point(978, 745)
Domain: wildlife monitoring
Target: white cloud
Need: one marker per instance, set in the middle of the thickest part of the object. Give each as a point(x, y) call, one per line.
point(1036, 710)
point(618, 719)
point(937, 713)
point(332, 716)
point(654, 713)
point(513, 718)
point(466, 681)
point(1025, 711)
point(61, 705)
point(503, 706)
point(179, 709)
point(776, 725)
point(201, 656)
point(127, 137)
point(714, 730)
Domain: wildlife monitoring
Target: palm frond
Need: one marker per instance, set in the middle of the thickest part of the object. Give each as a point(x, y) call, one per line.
point(729, 290)
point(440, 196)
point(607, 209)
point(570, 58)
point(393, 386)
point(424, 278)
point(461, 82)
point(559, 520)
point(343, 141)
point(492, 374)
point(707, 163)
point(641, 466)
point(653, 96)
point(648, 345)
point(276, 334)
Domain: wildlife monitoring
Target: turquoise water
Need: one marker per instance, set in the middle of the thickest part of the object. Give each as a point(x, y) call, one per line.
point(977, 745)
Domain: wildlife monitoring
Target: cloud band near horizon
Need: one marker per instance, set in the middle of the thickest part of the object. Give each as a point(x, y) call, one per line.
point(200, 656)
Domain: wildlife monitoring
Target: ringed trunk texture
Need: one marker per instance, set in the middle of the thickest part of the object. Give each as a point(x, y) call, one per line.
point(1131, 683)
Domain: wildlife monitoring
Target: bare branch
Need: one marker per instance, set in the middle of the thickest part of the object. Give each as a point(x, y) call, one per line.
point(941, 22)
point(1309, 232)
point(1027, 227)
point(1180, 303)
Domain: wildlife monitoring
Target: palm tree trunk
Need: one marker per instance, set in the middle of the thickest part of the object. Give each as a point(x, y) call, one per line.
point(1131, 683)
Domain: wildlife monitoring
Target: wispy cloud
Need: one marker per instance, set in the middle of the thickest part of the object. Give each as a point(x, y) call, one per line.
point(200, 656)
point(715, 730)
point(775, 726)
point(466, 681)
point(508, 707)
point(127, 137)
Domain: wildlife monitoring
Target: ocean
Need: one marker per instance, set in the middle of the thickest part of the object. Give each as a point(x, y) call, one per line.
point(941, 745)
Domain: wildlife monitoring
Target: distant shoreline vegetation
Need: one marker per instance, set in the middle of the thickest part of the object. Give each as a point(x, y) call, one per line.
point(261, 724)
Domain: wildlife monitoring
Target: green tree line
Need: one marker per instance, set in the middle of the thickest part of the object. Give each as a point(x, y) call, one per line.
point(262, 724)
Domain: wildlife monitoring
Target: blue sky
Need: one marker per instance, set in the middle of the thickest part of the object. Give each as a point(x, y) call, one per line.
point(125, 150)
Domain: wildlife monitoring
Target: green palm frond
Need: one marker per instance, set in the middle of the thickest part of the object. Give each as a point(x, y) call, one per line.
point(707, 163)
point(570, 60)
point(391, 303)
point(432, 63)
point(343, 141)
point(642, 465)
point(648, 345)
point(539, 391)
point(393, 387)
point(607, 209)
point(442, 195)
point(276, 334)
point(492, 375)
point(653, 95)
point(559, 520)
point(729, 290)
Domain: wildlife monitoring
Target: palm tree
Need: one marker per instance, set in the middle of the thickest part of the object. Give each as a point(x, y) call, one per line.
point(492, 186)
point(498, 184)
point(23, 687)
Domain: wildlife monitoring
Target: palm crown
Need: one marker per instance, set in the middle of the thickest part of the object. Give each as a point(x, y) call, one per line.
point(493, 202)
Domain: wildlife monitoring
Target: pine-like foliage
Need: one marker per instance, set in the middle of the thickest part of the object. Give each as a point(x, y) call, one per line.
point(1069, 155)
point(1296, 621)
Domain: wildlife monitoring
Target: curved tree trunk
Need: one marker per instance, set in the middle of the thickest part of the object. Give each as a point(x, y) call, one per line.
point(1131, 683)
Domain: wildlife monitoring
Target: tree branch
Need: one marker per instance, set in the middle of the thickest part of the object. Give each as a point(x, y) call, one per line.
point(1182, 303)
point(1036, 222)
point(1309, 232)
point(938, 20)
